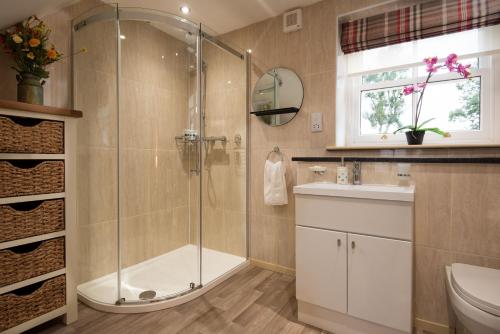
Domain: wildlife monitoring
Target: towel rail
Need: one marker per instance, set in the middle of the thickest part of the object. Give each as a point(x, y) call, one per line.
point(275, 150)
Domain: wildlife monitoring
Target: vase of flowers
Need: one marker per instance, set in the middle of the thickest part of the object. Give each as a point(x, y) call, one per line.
point(28, 44)
point(415, 132)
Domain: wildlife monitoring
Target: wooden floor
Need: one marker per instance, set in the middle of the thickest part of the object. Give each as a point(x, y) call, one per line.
point(253, 301)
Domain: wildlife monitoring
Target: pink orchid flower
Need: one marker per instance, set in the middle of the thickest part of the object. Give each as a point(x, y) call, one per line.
point(464, 70)
point(408, 90)
point(451, 61)
point(431, 62)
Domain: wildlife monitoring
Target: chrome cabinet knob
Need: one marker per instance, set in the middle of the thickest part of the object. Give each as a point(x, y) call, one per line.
point(339, 242)
point(353, 244)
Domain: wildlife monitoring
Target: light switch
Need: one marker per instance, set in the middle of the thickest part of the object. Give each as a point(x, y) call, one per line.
point(316, 122)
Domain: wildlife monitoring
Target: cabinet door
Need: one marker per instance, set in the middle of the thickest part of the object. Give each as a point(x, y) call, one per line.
point(380, 280)
point(321, 264)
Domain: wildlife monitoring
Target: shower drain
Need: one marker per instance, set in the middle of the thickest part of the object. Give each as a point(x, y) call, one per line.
point(148, 294)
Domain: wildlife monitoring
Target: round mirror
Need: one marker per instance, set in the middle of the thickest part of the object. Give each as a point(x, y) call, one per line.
point(277, 96)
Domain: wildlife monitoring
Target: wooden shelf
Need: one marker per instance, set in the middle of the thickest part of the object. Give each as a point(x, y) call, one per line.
point(411, 147)
point(31, 156)
point(292, 110)
point(36, 238)
point(8, 104)
point(29, 198)
point(33, 280)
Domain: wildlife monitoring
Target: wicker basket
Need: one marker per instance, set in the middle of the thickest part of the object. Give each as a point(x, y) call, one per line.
point(31, 177)
point(27, 219)
point(30, 135)
point(31, 260)
point(32, 301)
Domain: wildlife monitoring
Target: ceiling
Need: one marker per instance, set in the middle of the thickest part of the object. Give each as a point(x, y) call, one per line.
point(219, 15)
point(13, 11)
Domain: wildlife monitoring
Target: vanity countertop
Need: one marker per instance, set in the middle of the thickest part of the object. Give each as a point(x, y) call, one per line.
point(368, 191)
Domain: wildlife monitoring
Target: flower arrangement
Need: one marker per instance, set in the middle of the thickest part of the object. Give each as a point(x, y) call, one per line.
point(28, 44)
point(416, 130)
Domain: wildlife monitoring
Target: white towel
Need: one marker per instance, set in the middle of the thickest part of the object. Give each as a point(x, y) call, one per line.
point(275, 183)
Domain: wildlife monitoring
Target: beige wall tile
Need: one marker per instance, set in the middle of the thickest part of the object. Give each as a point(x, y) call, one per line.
point(97, 185)
point(235, 232)
point(432, 205)
point(475, 212)
point(430, 289)
point(475, 260)
point(98, 247)
point(98, 125)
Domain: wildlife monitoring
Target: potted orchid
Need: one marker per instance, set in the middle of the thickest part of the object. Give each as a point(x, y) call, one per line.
point(27, 43)
point(416, 131)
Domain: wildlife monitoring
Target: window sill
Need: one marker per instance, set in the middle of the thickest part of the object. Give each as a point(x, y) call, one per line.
point(333, 148)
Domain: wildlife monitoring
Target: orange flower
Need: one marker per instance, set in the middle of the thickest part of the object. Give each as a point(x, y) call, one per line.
point(34, 42)
point(52, 54)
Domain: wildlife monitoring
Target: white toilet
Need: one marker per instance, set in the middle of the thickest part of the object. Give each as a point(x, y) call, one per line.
point(475, 297)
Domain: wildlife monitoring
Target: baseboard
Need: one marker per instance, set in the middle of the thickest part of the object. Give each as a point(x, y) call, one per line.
point(273, 267)
point(429, 327)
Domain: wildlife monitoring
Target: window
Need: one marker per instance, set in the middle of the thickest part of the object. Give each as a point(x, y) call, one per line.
point(371, 105)
point(452, 102)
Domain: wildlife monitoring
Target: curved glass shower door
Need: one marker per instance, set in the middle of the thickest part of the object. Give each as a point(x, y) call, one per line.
point(159, 147)
point(162, 157)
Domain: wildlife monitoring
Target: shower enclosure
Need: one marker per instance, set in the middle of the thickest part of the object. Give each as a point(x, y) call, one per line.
point(162, 158)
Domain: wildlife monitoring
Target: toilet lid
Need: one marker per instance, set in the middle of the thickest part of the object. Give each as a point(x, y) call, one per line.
point(477, 285)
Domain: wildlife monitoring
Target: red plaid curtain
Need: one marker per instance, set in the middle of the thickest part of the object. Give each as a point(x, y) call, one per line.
point(427, 19)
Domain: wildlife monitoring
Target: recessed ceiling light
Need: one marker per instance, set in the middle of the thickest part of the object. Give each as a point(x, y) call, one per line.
point(123, 36)
point(185, 9)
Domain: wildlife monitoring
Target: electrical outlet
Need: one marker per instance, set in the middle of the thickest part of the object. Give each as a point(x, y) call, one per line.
point(316, 122)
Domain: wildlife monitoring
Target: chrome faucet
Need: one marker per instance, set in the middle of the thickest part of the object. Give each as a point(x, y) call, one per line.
point(356, 172)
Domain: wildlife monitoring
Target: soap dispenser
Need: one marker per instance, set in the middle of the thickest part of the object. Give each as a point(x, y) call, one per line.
point(342, 173)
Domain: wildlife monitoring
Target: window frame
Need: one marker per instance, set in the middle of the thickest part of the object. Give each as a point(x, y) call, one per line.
point(485, 135)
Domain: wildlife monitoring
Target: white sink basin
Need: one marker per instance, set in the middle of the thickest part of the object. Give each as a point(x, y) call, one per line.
point(369, 191)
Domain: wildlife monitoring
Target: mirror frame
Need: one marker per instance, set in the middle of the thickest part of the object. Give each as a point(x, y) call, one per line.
point(301, 101)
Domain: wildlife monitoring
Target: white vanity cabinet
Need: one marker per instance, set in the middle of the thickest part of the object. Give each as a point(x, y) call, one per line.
point(379, 271)
point(329, 254)
point(354, 257)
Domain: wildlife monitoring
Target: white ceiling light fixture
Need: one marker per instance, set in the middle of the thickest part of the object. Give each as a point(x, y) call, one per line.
point(123, 36)
point(185, 9)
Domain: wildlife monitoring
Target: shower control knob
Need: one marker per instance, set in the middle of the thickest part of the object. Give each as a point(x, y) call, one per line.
point(237, 139)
